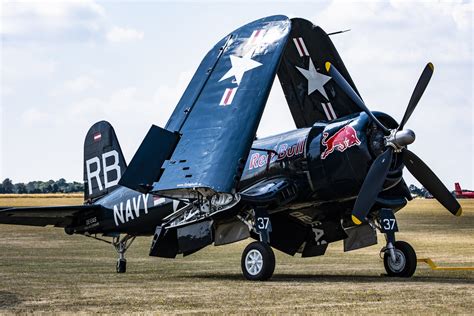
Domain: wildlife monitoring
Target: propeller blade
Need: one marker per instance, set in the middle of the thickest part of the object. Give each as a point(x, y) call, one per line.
point(431, 182)
point(346, 87)
point(417, 93)
point(372, 186)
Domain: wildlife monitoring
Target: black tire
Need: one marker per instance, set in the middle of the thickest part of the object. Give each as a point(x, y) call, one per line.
point(253, 254)
point(121, 266)
point(405, 252)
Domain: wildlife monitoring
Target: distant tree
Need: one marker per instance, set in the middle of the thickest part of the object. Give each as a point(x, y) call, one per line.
point(62, 185)
point(414, 190)
point(50, 186)
point(79, 186)
point(420, 192)
point(47, 188)
point(20, 188)
point(7, 186)
point(30, 187)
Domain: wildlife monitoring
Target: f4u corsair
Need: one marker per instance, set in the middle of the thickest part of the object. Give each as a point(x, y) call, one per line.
point(205, 178)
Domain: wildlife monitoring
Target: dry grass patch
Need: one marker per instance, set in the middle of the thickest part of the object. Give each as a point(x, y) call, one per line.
point(42, 269)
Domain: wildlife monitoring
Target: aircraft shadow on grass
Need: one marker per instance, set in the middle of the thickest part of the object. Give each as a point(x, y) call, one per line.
point(315, 278)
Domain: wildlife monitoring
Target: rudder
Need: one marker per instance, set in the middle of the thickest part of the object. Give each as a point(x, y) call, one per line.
point(104, 163)
point(457, 188)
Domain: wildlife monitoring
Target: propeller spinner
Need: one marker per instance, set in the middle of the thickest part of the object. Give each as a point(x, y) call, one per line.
point(396, 140)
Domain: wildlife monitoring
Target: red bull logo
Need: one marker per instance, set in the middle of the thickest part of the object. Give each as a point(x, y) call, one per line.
point(344, 138)
point(258, 160)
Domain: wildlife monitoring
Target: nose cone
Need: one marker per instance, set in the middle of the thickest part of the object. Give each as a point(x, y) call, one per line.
point(404, 137)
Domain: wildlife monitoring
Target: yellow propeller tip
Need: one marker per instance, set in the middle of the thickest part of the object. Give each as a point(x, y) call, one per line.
point(459, 212)
point(356, 220)
point(431, 66)
point(328, 66)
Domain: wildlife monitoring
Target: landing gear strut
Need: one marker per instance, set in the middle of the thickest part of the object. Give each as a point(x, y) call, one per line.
point(121, 246)
point(399, 258)
point(258, 259)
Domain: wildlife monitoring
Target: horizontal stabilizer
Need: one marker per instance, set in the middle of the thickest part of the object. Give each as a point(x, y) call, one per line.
point(146, 165)
point(59, 216)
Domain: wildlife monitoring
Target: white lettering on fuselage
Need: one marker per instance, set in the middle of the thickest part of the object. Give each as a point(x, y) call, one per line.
point(258, 160)
point(124, 215)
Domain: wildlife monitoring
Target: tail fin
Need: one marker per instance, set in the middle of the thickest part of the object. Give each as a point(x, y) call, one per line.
point(457, 188)
point(104, 163)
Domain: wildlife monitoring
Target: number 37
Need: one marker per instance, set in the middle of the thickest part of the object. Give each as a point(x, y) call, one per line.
point(388, 223)
point(262, 222)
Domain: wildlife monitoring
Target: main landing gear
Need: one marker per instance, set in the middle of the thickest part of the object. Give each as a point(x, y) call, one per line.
point(399, 258)
point(258, 259)
point(403, 262)
point(121, 246)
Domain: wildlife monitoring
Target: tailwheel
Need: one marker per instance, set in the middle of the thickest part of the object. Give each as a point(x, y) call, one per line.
point(121, 246)
point(402, 262)
point(258, 261)
point(121, 266)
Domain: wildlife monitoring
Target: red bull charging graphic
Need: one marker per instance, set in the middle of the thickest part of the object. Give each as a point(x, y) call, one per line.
point(344, 138)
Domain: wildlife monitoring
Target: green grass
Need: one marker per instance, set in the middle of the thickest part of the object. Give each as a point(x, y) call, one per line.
point(45, 270)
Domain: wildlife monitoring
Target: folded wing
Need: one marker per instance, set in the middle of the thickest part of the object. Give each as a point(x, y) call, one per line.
point(219, 113)
point(310, 92)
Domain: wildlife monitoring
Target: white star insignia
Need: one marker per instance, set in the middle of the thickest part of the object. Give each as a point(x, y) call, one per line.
point(240, 65)
point(316, 80)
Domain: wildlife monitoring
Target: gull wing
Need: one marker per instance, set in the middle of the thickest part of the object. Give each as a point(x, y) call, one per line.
point(220, 111)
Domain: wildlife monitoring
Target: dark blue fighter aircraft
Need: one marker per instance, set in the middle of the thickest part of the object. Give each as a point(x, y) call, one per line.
point(205, 178)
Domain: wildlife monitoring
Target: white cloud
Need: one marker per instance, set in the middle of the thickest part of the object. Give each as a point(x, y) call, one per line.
point(33, 115)
point(31, 65)
point(462, 15)
point(72, 20)
point(6, 90)
point(168, 96)
point(80, 84)
point(124, 102)
point(401, 31)
point(119, 34)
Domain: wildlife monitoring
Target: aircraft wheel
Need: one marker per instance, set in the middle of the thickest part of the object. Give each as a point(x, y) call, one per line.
point(258, 261)
point(121, 265)
point(405, 264)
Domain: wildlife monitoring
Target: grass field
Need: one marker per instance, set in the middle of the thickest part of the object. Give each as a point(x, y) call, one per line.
point(43, 269)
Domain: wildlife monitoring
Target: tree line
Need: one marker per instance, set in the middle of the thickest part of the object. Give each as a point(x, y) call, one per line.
point(51, 186)
point(62, 186)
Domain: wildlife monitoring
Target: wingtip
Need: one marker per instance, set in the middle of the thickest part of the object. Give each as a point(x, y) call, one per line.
point(459, 212)
point(356, 220)
point(328, 66)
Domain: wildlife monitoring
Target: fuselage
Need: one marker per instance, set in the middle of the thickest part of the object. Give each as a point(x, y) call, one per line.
point(329, 160)
point(465, 194)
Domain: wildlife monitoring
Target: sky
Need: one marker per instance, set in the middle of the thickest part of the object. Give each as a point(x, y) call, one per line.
point(68, 64)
